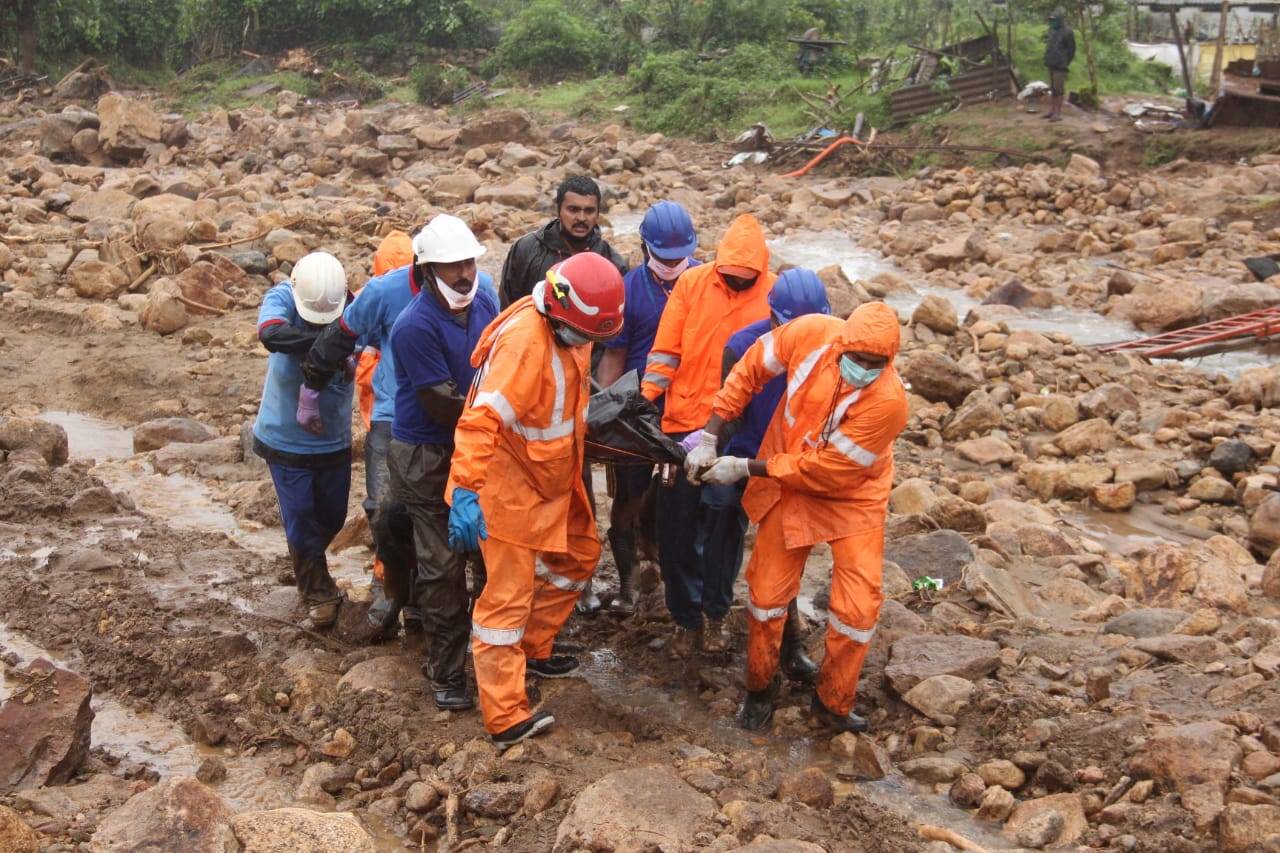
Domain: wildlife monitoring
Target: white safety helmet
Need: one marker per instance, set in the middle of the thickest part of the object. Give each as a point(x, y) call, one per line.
point(319, 288)
point(445, 240)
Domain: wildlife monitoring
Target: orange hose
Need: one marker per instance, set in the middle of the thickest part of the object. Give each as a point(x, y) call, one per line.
point(844, 140)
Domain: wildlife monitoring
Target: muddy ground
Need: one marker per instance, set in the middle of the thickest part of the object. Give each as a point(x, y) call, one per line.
point(1098, 670)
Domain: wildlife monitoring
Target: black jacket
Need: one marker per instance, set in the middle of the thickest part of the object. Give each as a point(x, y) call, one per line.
point(538, 251)
point(1059, 49)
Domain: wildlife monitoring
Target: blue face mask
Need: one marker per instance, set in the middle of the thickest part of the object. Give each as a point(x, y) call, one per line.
point(855, 374)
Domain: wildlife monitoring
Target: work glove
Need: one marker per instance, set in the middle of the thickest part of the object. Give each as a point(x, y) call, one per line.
point(700, 452)
point(308, 414)
point(726, 471)
point(466, 521)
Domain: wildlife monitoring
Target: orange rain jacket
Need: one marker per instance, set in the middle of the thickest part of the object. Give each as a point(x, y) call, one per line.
point(829, 447)
point(700, 317)
point(395, 251)
point(519, 442)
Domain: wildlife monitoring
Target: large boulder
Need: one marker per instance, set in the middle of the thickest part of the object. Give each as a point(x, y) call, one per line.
point(180, 813)
point(1160, 306)
point(1195, 760)
point(127, 127)
point(164, 311)
point(95, 279)
point(1085, 437)
point(977, 414)
point(58, 130)
point(627, 809)
point(516, 194)
point(1245, 827)
point(496, 126)
point(33, 434)
point(913, 659)
point(938, 378)
point(1232, 299)
point(460, 185)
point(1258, 387)
point(44, 728)
point(291, 829)
point(102, 204)
point(940, 554)
point(937, 313)
point(15, 835)
point(1109, 401)
point(154, 434)
point(1264, 526)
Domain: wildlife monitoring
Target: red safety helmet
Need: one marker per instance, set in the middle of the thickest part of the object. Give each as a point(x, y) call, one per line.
point(585, 293)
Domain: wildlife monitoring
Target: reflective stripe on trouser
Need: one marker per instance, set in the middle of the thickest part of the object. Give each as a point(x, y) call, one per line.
point(773, 580)
point(526, 599)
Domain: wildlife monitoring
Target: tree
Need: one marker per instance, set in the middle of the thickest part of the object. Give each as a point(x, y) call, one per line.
point(23, 15)
point(1087, 18)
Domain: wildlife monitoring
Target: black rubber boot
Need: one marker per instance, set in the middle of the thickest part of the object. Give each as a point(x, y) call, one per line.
point(623, 545)
point(849, 722)
point(794, 661)
point(757, 711)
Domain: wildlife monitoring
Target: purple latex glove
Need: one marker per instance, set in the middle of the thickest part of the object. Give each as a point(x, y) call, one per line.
point(690, 441)
point(308, 415)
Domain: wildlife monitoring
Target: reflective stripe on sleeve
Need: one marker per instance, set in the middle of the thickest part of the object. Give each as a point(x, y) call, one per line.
point(761, 615)
point(798, 379)
point(851, 450)
point(659, 379)
point(558, 581)
point(499, 403)
point(666, 359)
point(858, 635)
point(497, 636)
point(771, 362)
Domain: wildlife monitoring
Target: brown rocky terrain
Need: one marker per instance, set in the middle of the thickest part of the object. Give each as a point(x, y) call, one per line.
point(1098, 671)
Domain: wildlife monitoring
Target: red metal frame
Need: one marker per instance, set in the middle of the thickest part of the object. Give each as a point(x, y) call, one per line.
point(1262, 325)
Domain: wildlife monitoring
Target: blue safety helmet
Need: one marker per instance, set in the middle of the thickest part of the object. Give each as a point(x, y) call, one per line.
point(667, 231)
point(798, 292)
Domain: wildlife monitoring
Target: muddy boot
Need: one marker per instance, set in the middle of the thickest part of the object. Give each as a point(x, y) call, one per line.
point(588, 602)
point(623, 545)
point(685, 642)
point(795, 662)
point(323, 614)
point(849, 722)
point(715, 637)
point(757, 710)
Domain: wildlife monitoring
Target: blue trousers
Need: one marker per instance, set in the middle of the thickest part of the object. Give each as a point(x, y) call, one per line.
point(313, 508)
point(700, 537)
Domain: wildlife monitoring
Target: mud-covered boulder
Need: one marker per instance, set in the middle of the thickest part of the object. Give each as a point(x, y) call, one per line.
point(628, 809)
point(179, 813)
point(154, 434)
point(1160, 306)
point(496, 126)
point(127, 126)
point(289, 830)
point(913, 659)
point(1195, 760)
point(164, 311)
point(34, 435)
point(44, 727)
point(939, 378)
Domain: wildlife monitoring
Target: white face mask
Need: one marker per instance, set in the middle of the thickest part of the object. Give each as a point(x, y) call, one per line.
point(455, 300)
point(664, 272)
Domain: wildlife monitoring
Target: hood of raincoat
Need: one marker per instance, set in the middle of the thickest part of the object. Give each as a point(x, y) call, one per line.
point(743, 246)
point(871, 328)
point(395, 251)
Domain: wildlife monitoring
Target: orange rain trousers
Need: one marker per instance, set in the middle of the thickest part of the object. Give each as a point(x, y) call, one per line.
point(773, 577)
point(530, 590)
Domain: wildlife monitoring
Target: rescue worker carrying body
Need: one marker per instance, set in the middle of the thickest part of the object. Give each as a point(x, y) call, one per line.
point(311, 470)
point(668, 240)
point(516, 489)
point(823, 474)
point(370, 318)
point(575, 229)
point(709, 303)
point(432, 343)
point(797, 292)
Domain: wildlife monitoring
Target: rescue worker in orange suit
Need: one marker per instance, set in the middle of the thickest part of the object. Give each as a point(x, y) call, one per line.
point(823, 474)
point(395, 251)
point(708, 304)
point(515, 483)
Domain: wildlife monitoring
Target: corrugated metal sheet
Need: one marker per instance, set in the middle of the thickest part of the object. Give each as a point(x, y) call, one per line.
point(983, 84)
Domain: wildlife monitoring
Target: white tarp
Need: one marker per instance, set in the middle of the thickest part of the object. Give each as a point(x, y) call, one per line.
point(1165, 54)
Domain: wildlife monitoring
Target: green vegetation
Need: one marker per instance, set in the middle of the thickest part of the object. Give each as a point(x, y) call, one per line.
point(705, 68)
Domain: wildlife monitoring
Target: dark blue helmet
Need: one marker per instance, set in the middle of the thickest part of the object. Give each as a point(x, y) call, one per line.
point(667, 231)
point(798, 292)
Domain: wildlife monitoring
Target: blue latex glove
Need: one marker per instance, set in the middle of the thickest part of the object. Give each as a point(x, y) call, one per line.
point(466, 521)
point(308, 414)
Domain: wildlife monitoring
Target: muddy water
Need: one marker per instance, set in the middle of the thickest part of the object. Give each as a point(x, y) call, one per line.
point(156, 741)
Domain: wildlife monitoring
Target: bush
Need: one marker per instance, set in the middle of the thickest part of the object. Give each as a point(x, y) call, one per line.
point(683, 95)
point(436, 85)
point(546, 43)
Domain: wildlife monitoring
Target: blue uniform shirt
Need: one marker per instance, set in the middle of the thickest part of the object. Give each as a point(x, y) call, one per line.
point(277, 425)
point(646, 297)
point(370, 317)
point(431, 346)
point(756, 417)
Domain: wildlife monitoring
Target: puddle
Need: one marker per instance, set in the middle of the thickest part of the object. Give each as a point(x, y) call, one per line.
point(1129, 532)
point(92, 438)
point(154, 740)
point(815, 250)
